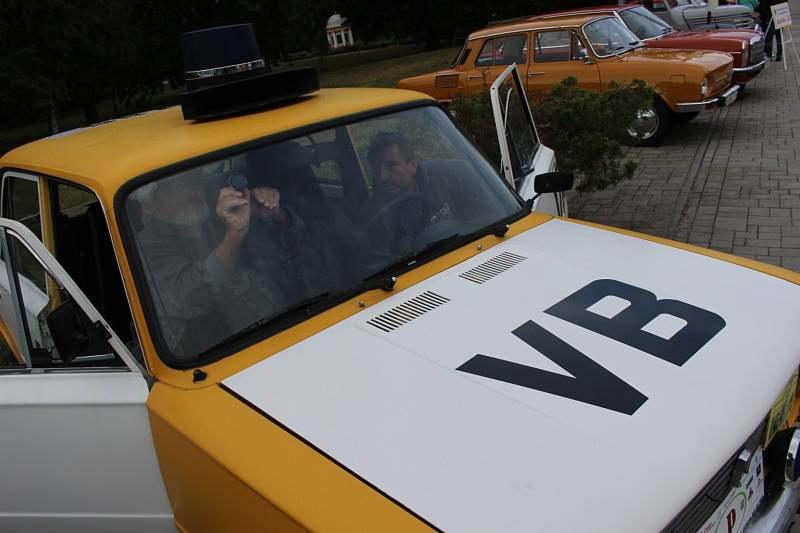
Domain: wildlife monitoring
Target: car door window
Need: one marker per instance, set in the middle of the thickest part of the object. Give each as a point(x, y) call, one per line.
point(22, 204)
point(516, 132)
point(486, 55)
point(504, 51)
point(11, 355)
point(51, 329)
point(511, 49)
point(83, 247)
point(74, 224)
point(59, 334)
point(551, 46)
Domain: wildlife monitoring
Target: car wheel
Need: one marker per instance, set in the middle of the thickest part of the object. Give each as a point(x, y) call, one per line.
point(683, 118)
point(650, 124)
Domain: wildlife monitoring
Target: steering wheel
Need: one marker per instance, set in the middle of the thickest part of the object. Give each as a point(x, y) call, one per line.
point(398, 221)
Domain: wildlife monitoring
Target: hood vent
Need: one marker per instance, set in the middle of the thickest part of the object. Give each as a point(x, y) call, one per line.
point(408, 311)
point(491, 268)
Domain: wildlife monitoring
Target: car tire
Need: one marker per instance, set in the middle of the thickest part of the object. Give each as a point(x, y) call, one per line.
point(683, 118)
point(651, 124)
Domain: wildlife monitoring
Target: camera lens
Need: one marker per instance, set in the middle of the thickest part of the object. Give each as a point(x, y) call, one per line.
point(237, 181)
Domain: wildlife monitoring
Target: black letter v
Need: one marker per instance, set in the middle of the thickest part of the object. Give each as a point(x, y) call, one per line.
point(592, 383)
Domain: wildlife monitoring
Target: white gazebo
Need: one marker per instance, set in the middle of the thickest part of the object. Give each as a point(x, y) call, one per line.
point(339, 32)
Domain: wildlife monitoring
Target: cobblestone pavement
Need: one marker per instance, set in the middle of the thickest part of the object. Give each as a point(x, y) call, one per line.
point(728, 180)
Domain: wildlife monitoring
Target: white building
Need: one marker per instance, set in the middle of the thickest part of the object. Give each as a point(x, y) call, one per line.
point(339, 32)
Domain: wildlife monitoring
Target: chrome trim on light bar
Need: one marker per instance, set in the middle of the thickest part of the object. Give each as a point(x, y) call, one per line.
point(222, 71)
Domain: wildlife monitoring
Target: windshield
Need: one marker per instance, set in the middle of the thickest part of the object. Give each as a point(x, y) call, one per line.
point(460, 55)
point(233, 250)
point(644, 24)
point(609, 36)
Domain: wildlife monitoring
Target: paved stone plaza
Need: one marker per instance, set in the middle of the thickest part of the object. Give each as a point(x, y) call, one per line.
point(728, 180)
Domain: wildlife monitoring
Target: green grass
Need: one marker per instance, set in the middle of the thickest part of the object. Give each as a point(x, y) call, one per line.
point(346, 60)
point(381, 67)
point(386, 73)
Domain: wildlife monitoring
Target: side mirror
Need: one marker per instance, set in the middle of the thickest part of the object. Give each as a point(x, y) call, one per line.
point(584, 54)
point(75, 337)
point(553, 182)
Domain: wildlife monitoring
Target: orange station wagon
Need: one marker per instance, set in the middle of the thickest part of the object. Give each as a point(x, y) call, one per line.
point(596, 50)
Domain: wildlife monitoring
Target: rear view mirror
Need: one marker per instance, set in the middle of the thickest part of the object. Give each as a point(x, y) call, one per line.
point(74, 336)
point(553, 182)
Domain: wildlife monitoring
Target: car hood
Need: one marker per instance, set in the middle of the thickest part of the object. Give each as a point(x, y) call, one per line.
point(708, 61)
point(738, 34)
point(696, 12)
point(386, 393)
point(719, 40)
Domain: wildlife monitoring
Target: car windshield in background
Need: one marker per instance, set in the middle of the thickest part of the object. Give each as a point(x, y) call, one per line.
point(243, 244)
point(609, 36)
point(644, 24)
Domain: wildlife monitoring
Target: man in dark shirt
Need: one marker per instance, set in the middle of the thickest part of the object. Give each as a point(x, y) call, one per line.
point(295, 237)
point(411, 195)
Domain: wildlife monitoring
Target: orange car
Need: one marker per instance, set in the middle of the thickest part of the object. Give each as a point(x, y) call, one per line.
point(596, 50)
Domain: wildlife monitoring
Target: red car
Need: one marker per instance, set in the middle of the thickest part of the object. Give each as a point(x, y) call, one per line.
point(746, 46)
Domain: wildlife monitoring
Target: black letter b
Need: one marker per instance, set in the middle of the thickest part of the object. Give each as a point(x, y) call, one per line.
point(626, 327)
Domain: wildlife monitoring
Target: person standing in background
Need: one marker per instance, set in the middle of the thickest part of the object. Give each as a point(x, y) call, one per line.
point(766, 21)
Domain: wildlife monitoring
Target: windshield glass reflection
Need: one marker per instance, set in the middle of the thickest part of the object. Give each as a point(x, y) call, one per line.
point(609, 36)
point(644, 24)
point(236, 245)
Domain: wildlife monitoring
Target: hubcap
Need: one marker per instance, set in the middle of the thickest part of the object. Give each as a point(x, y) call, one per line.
point(645, 125)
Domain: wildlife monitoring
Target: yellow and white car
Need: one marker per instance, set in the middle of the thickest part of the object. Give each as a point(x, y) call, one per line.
point(359, 362)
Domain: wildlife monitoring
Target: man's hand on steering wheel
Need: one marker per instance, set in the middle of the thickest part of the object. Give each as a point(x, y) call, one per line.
point(398, 221)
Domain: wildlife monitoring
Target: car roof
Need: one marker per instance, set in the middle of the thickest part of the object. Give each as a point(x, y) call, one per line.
point(593, 10)
point(568, 20)
point(105, 156)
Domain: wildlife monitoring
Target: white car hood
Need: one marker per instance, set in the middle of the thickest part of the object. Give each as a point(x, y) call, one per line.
point(470, 453)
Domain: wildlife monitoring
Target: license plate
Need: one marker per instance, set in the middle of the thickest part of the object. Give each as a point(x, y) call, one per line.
point(738, 506)
point(731, 98)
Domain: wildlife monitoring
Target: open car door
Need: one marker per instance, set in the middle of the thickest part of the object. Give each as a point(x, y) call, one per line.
point(523, 156)
point(76, 452)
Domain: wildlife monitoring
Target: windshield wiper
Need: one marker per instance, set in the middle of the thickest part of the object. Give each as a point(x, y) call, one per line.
point(409, 259)
point(382, 279)
point(499, 228)
point(302, 305)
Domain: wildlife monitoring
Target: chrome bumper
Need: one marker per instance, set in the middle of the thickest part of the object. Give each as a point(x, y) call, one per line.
point(752, 69)
point(778, 516)
point(726, 98)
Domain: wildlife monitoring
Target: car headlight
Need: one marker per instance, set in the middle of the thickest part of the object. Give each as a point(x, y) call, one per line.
point(704, 87)
point(745, 53)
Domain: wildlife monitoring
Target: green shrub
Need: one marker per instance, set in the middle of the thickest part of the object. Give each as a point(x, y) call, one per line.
point(473, 115)
point(585, 128)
